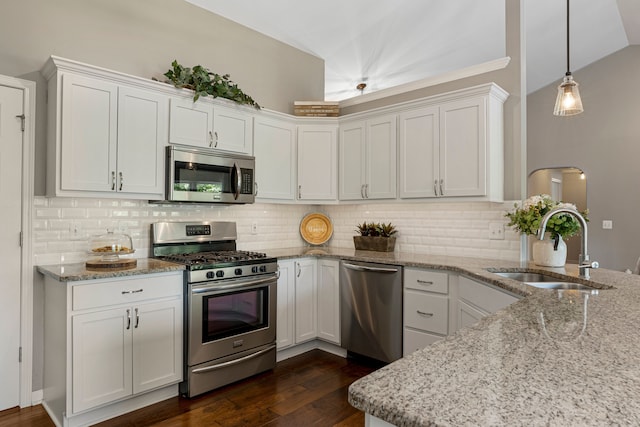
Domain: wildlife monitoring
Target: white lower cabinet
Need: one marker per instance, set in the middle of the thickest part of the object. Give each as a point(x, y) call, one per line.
point(426, 308)
point(107, 341)
point(476, 300)
point(308, 301)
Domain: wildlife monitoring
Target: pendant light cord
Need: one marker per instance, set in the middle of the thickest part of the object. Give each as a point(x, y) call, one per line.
point(568, 68)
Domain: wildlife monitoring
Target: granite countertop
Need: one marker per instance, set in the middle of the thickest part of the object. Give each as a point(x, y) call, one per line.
point(78, 271)
point(541, 361)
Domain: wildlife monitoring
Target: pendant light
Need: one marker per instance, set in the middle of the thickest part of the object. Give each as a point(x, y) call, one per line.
point(568, 102)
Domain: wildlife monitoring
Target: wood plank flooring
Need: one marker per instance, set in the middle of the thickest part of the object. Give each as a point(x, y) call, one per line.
point(310, 389)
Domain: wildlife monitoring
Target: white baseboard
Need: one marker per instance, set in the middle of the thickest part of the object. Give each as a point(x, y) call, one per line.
point(36, 397)
point(299, 349)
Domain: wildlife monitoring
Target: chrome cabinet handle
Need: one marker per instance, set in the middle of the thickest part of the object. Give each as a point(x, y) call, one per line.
point(113, 180)
point(362, 191)
point(441, 182)
point(210, 139)
point(137, 291)
point(425, 314)
point(424, 282)
point(299, 269)
point(278, 272)
point(137, 319)
point(435, 187)
point(128, 318)
point(121, 180)
point(255, 188)
point(366, 191)
point(216, 144)
point(299, 191)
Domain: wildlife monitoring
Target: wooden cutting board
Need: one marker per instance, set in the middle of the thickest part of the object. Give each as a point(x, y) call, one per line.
point(119, 263)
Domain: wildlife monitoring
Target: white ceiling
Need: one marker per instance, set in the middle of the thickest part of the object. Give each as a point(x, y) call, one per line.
point(401, 41)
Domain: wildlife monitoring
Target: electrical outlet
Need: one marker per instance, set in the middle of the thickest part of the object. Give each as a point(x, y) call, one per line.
point(254, 228)
point(496, 231)
point(607, 224)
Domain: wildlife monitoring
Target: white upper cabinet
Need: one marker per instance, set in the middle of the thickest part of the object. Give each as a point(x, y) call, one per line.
point(203, 124)
point(274, 146)
point(454, 148)
point(368, 159)
point(317, 162)
point(107, 139)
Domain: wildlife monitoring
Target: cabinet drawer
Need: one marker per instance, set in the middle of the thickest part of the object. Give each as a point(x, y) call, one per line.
point(125, 290)
point(417, 340)
point(483, 296)
point(424, 280)
point(426, 312)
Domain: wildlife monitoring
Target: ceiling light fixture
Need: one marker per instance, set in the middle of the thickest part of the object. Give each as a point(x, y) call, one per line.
point(568, 102)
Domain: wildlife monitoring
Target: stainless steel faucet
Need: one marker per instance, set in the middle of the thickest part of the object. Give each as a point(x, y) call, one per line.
point(584, 264)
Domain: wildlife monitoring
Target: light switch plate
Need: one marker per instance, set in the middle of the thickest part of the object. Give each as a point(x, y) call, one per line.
point(496, 231)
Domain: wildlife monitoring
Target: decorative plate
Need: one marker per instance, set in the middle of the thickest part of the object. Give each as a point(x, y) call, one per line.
point(316, 228)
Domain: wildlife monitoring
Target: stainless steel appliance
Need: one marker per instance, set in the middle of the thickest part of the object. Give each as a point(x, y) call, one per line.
point(209, 176)
point(371, 309)
point(230, 303)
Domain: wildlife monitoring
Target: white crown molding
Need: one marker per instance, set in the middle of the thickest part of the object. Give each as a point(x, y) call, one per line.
point(474, 70)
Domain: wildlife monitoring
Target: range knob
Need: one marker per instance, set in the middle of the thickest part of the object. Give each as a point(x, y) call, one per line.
point(254, 269)
point(219, 273)
point(263, 268)
point(210, 274)
point(238, 271)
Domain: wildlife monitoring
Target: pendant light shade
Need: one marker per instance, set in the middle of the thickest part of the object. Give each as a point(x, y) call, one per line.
point(568, 102)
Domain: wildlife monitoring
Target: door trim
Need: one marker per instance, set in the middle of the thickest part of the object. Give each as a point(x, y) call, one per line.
point(26, 281)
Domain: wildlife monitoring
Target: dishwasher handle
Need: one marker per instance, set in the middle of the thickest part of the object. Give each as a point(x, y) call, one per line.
point(372, 269)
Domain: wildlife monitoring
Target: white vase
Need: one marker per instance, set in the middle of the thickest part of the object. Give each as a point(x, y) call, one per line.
point(544, 255)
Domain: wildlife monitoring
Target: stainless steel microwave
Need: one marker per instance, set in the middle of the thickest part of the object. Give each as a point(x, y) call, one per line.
point(209, 176)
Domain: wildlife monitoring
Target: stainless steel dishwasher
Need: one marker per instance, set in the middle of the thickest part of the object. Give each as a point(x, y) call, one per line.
point(371, 309)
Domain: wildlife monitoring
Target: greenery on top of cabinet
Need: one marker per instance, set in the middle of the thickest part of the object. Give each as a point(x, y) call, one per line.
point(205, 82)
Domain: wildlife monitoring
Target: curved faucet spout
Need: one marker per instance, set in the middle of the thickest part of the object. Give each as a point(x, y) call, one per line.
point(584, 265)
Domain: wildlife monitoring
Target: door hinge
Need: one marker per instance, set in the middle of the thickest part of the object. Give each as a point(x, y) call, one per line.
point(22, 117)
point(19, 354)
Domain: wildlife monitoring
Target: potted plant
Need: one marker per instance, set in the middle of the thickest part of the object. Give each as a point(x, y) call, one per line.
point(375, 237)
point(551, 252)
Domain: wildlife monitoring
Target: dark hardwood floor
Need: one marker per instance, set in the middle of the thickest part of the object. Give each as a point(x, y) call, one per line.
point(310, 389)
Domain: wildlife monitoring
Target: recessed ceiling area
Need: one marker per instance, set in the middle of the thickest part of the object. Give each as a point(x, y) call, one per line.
point(393, 42)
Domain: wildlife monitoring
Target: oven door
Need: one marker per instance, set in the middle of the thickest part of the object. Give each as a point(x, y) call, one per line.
point(196, 175)
point(231, 317)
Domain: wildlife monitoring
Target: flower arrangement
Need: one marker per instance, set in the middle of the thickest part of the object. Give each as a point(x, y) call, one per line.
point(526, 218)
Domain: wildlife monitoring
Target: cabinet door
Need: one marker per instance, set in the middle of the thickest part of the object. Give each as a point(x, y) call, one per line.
point(468, 315)
point(329, 300)
point(142, 136)
point(157, 344)
point(232, 130)
point(191, 123)
point(317, 162)
point(414, 340)
point(352, 161)
point(286, 304)
point(88, 134)
point(274, 149)
point(463, 148)
point(305, 302)
point(381, 158)
point(101, 351)
point(419, 153)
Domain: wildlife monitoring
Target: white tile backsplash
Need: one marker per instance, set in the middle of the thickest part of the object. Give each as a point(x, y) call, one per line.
point(63, 226)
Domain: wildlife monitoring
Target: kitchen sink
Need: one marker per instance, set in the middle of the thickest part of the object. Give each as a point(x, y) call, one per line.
point(543, 281)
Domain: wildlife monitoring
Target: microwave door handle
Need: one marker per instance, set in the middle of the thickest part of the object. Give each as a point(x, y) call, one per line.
point(236, 191)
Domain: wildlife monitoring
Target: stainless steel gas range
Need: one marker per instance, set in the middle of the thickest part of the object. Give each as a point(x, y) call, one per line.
point(230, 303)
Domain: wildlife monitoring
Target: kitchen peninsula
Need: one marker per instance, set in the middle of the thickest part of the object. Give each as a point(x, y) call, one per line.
point(552, 358)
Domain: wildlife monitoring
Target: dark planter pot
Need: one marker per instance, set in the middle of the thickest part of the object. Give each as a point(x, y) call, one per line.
point(374, 243)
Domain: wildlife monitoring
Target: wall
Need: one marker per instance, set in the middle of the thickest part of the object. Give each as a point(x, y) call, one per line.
point(604, 141)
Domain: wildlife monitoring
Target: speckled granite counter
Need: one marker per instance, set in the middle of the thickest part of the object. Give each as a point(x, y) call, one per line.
point(78, 271)
point(541, 361)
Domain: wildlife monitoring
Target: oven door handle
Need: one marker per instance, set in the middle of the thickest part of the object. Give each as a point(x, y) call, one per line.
point(244, 284)
point(233, 362)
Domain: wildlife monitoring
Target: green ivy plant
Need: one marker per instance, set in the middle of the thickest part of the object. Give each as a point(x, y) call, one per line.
point(205, 82)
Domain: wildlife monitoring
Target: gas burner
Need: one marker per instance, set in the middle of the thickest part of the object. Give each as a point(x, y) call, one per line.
point(214, 257)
